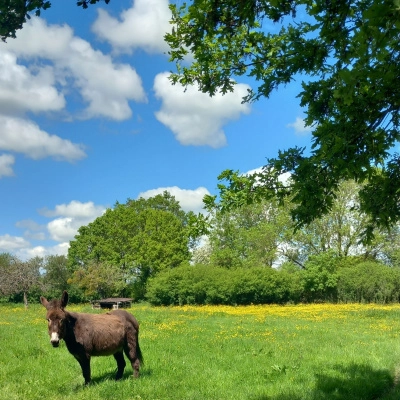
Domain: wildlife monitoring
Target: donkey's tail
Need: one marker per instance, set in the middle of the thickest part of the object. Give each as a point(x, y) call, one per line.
point(139, 353)
point(128, 316)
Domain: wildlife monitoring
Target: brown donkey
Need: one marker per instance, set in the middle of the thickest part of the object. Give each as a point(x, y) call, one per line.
point(89, 335)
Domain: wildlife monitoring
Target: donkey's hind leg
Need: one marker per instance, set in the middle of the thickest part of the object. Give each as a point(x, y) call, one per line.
point(119, 358)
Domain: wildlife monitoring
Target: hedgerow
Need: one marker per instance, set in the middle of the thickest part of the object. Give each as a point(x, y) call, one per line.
point(321, 280)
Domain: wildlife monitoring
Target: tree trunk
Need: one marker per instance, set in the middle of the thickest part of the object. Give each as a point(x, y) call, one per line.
point(25, 300)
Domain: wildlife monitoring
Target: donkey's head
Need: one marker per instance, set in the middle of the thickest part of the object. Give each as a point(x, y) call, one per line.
point(56, 317)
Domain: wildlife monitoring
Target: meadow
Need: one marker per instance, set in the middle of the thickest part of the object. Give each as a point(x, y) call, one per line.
point(293, 352)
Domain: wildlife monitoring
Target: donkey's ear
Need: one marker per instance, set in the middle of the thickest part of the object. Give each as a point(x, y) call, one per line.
point(64, 299)
point(44, 301)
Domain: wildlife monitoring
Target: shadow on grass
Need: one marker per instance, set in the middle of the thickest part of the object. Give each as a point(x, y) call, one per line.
point(350, 382)
point(128, 374)
point(105, 377)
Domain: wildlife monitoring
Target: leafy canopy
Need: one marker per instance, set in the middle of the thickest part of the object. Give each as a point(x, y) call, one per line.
point(348, 54)
point(14, 13)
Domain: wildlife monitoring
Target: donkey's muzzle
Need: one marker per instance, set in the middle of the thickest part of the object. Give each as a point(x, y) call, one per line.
point(54, 339)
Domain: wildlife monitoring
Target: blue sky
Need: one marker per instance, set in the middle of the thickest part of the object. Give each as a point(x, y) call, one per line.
point(88, 118)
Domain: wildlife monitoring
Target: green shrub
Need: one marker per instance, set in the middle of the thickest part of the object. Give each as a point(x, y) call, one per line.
point(320, 278)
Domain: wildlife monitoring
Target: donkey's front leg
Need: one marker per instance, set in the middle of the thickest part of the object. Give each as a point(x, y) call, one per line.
point(84, 362)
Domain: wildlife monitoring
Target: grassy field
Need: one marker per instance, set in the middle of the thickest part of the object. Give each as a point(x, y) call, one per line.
point(307, 352)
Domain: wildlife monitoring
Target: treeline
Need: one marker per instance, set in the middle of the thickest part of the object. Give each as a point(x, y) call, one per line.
point(150, 249)
point(325, 278)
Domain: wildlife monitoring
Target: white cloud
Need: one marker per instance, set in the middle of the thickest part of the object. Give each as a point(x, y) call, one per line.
point(299, 127)
point(71, 217)
point(142, 26)
point(62, 229)
point(107, 87)
point(24, 136)
point(56, 61)
point(10, 243)
point(75, 209)
point(22, 90)
point(30, 252)
point(41, 251)
point(6, 163)
point(195, 118)
point(189, 200)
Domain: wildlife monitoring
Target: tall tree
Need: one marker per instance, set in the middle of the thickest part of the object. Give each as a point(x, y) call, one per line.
point(339, 231)
point(348, 53)
point(19, 277)
point(140, 237)
point(247, 236)
point(55, 274)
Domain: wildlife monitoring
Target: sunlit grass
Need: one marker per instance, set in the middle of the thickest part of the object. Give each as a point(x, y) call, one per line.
point(294, 352)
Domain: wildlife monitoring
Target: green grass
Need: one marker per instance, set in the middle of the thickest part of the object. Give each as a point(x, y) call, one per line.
point(320, 352)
